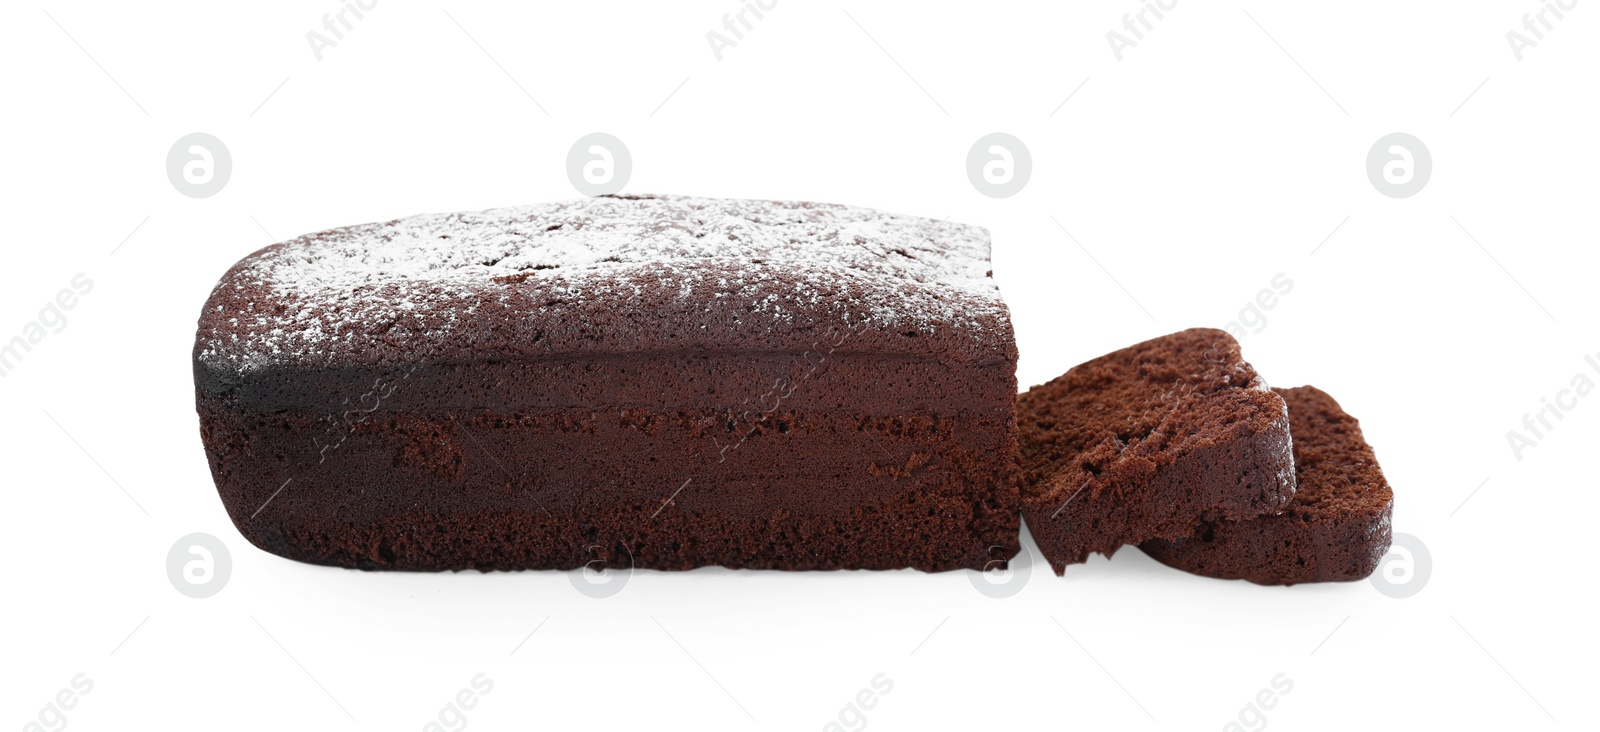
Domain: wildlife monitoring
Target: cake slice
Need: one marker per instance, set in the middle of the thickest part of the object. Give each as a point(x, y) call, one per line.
point(1336, 529)
point(1149, 442)
point(655, 381)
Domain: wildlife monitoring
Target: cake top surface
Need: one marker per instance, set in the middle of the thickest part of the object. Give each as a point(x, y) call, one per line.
point(1336, 471)
point(1153, 401)
point(610, 274)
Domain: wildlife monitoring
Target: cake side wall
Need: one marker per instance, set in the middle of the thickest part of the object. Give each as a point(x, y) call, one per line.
point(829, 462)
point(909, 491)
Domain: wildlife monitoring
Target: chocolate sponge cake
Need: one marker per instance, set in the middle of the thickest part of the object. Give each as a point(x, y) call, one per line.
point(664, 381)
point(1337, 528)
point(1150, 442)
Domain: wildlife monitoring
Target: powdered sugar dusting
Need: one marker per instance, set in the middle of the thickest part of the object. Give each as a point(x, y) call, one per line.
point(428, 275)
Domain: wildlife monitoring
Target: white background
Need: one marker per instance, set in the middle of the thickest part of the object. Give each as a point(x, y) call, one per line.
point(1191, 172)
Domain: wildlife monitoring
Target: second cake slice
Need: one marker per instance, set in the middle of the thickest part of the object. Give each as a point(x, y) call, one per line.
point(1336, 529)
point(1150, 442)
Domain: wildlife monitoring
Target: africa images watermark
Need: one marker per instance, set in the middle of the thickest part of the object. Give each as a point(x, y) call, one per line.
point(198, 565)
point(736, 24)
point(1539, 424)
point(853, 715)
point(52, 318)
point(336, 24)
point(338, 426)
point(604, 574)
point(758, 414)
point(1536, 24)
point(1253, 316)
point(1253, 716)
point(999, 165)
point(1137, 24)
point(453, 715)
point(52, 716)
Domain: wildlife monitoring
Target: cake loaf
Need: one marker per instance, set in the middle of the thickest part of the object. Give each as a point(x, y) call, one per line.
point(1337, 528)
point(1150, 442)
point(666, 382)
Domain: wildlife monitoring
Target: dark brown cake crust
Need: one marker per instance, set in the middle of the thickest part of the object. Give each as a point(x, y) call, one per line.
point(1150, 442)
point(1336, 529)
point(665, 382)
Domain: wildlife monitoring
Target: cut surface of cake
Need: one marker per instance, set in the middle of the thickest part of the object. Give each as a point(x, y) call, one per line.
point(651, 381)
point(1336, 529)
point(1150, 442)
